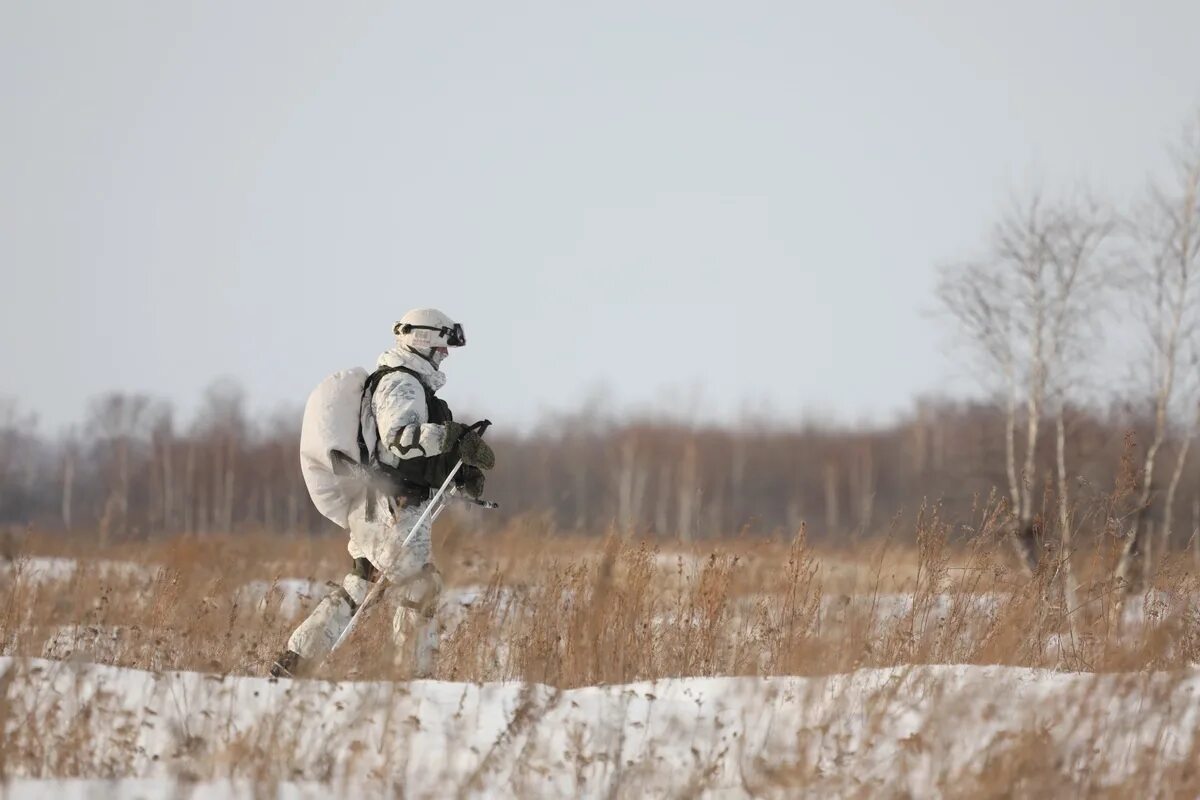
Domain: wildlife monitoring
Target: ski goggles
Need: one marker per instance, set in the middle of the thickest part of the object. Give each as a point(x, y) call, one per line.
point(452, 336)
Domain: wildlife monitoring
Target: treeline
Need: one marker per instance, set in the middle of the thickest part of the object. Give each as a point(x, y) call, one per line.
point(129, 469)
point(136, 472)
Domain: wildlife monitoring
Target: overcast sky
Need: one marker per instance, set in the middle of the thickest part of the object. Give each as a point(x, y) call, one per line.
point(704, 207)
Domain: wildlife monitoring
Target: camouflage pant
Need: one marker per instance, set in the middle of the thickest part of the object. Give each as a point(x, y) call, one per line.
point(414, 584)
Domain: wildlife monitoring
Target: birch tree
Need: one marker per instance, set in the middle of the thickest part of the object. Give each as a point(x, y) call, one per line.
point(1025, 310)
point(1166, 290)
point(222, 421)
point(118, 425)
point(18, 448)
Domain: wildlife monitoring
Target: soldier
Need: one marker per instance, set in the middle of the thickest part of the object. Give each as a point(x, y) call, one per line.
point(410, 444)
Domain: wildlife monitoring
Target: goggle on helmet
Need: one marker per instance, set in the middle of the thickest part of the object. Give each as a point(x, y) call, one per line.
point(450, 336)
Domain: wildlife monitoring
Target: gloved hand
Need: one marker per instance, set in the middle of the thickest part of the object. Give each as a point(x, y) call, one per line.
point(471, 481)
point(469, 446)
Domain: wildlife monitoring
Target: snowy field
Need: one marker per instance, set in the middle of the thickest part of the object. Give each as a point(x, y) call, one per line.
point(562, 678)
point(923, 731)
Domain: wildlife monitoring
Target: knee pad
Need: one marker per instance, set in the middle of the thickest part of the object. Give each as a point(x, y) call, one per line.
point(417, 601)
point(357, 588)
point(422, 593)
point(317, 634)
point(352, 591)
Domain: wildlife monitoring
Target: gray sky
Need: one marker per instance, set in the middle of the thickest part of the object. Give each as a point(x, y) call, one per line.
point(702, 206)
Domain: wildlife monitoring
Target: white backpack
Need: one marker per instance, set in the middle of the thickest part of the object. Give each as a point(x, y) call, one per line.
point(335, 443)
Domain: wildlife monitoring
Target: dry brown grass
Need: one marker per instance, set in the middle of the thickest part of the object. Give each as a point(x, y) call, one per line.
point(574, 611)
point(528, 604)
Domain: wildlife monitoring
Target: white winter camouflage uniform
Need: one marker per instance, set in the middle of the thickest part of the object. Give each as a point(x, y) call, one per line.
point(398, 416)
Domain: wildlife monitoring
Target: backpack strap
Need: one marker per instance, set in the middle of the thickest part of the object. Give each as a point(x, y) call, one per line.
point(368, 456)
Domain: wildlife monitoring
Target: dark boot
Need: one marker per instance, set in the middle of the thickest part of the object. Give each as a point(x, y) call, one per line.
point(286, 666)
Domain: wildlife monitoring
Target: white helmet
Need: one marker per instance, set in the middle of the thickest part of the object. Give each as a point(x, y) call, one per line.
point(426, 330)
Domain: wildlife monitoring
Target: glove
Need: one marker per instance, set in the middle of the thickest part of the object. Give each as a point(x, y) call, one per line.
point(471, 481)
point(469, 445)
point(475, 452)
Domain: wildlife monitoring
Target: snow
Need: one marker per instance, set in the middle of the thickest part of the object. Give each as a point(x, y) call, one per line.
point(78, 729)
point(153, 788)
point(43, 569)
point(890, 607)
point(98, 642)
point(294, 595)
point(882, 731)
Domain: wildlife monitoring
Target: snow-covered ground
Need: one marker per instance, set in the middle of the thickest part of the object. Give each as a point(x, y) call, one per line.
point(77, 729)
point(915, 730)
point(292, 594)
point(48, 569)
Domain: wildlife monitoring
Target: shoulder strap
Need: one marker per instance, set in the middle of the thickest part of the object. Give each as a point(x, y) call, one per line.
point(366, 456)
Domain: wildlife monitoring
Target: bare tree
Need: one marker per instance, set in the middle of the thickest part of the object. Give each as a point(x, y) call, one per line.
point(1165, 281)
point(222, 421)
point(1079, 277)
point(831, 499)
point(164, 491)
point(688, 492)
point(118, 424)
point(631, 486)
point(70, 448)
point(1026, 309)
point(18, 444)
point(978, 298)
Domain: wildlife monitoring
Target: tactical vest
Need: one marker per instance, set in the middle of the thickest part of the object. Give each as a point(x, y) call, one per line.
point(413, 479)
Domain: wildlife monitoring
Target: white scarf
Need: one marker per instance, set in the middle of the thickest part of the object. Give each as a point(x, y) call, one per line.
point(431, 376)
